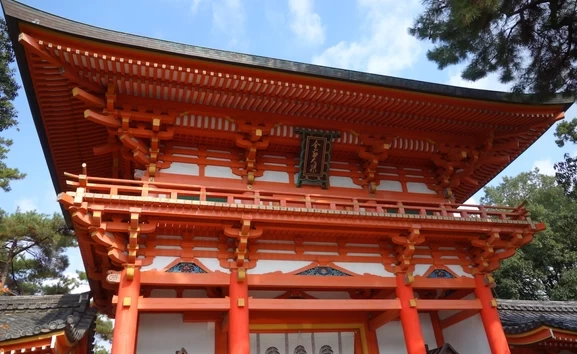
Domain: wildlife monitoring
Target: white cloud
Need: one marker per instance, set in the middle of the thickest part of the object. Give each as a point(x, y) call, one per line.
point(228, 18)
point(194, 6)
point(385, 46)
point(545, 167)
point(26, 204)
point(46, 204)
point(305, 23)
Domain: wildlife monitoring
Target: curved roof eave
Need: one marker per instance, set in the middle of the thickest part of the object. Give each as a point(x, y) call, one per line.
point(34, 16)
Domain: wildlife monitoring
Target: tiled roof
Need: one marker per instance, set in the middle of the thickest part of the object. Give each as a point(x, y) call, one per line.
point(24, 316)
point(16, 10)
point(518, 316)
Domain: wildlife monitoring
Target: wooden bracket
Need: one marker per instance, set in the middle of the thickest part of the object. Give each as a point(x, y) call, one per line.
point(132, 245)
point(242, 234)
point(405, 248)
point(252, 138)
point(129, 130)
point(488, 251)
point(373, 151)
point(456, 164)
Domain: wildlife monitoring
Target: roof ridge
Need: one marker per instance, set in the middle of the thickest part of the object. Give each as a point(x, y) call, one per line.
point(26, 13)
point(18, 303)
point(543, 303)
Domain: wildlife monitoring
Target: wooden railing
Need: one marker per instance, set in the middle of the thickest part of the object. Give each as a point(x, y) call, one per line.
point(293, 200)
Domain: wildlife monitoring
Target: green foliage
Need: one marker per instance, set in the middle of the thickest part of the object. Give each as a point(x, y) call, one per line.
point(566, 171)
point(7, 174)
point(545, 268)
point(104, 328)
point(532, 43)
point(99, 349)
point(8, 85)
point(8, 92)
point(32, 258)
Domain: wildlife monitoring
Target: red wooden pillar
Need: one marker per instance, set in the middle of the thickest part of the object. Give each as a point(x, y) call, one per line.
point(126, 320)
point(490, 317)
point(238, 326)
point(410, 317)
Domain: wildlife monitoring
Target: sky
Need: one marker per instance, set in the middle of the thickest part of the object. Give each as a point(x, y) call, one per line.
point(363, 35)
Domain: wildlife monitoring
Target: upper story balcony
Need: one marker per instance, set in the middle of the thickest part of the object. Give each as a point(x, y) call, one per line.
point(184, 203)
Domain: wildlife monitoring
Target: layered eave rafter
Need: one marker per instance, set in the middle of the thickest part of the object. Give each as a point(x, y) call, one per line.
point(191, 89)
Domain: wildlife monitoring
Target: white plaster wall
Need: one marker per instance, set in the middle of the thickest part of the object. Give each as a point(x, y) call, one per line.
point(266, 266)
point(182, 168)
point(159, 263)
point(167, 333)
point(345, 182)
point(274, 176)
point(391, 338)
point(418, 187)
point(427, 330)
point(219, 171)
point(421, 269)
point(368, 268)
point(392, 186)
point(457, 269)
point(212, 264)
point(468, 336)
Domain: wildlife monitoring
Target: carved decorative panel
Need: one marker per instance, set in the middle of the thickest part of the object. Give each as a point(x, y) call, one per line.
point(324, 271)
point(185, 267)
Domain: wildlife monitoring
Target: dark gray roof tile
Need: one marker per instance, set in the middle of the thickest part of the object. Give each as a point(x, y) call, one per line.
point(24, 316)
point(518, 316)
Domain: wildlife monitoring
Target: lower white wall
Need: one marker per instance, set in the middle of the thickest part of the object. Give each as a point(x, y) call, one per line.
point(266, 266)
point(391, 338)
point(366, 268)
point(468, 336)
point(427, 330)
point(167, 333)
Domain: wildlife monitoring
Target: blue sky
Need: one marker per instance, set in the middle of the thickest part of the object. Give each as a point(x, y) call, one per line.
point(364, 35)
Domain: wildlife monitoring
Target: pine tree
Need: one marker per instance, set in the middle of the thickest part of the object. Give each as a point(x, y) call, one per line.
point(8, 92)
point(531, 44)
point(32, 253)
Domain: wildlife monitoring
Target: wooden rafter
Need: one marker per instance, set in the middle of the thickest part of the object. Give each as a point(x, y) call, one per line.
point(36, 47)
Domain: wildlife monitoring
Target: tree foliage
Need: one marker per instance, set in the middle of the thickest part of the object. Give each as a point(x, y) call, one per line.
point(545, 268)
point(530, 43)
point(566, 171)
point(32, 253)
point(8, 92)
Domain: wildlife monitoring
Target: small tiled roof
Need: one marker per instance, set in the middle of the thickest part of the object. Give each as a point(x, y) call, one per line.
point(24, 316)
point(519, 316)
